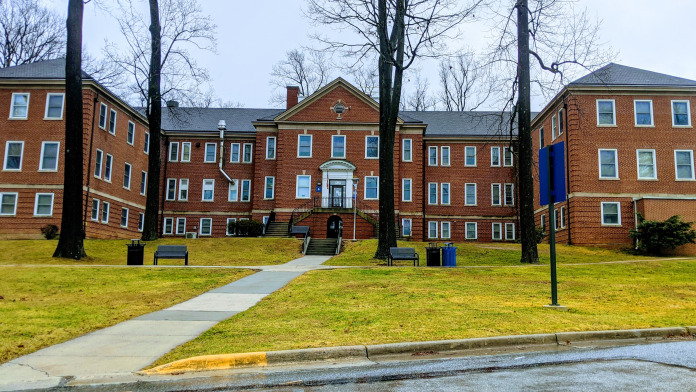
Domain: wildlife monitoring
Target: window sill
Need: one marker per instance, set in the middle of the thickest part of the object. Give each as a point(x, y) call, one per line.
point(470, 205)
point(18, 118)
point(209, 162)
point(207, 201)
point(12, 170)
point(245, 163)
point(644, 126)
point(7, 215)
point(611, 225)
point(682, 126)
point(266, 199)
point(609, 179)
point(301, 157)
point(374, 158)
point(647, 179)
point(365, 198)
point(130, 144)
point(684, 179)
point(469, 165)
point(407, 161)
point(53, 119)
point(606, 126)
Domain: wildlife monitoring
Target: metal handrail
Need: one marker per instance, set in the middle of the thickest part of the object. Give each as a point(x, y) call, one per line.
point(300, 210)
point(305, 244)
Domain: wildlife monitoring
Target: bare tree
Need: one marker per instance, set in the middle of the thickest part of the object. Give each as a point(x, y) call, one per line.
point(398, 32)
point(308, 69)
point(364, 78)
point(29, 33)
point(420, 100)
point(462, 83)
point(70, 243)
point(101, 69)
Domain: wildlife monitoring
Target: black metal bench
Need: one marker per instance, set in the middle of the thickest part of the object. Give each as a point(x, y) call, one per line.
point(403, 254)
point(171, 252)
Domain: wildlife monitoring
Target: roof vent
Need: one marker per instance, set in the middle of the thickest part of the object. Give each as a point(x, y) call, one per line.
point(222, 126)
point(172, 104)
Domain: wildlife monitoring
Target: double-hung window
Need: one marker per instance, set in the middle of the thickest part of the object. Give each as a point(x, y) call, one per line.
point(646, 165)
point(470, 194)
point(445, 155)
point(432, 193)
point(543, 223)
point(95, 210)
point(445, 193)
point(141, 221)
point(171, 189)
point(233, 190)
point(208, 190)
point(406, 189)
point(206, 227)
point(338, 146)
point(183, 189)
point(210, 152)
point(246, 190)
point(98, 161)
point(304, 146)
point(432, 229)
point(173, 151)
point(469, 156)
point(495, 194)
point(230, 230)
point(684, 164)
point(554, 128)
point(180, 226)
point(143, 182)
point(372, 147)
point(168, 226)
point(8, 203)
point(496, 231)
point(445, 230)
point(303, 187)
point(13, 155)
point(102, 115)
point(611, 214)
point(105, 212)
point(146, 144)
point(542, 142)
point(49, 156)
point(608, 164)
point(606, 114)
point(471, 230)
point(407, 154)
point(371, 188)
point(107, 167)
point(43, 204)
point(271, 147)
point(681, 114)
point(54, 106)
point(562, 214)
point(495, 156)
point(124, 217)
point(234, 153)
point(509, 194)
point(130, 136)
point(19, 108)
point(560, 122)
point(269, 188)
point(186, 152)
point(406, 227)
point(112, 122)
point(507, 156)
point(432, 156)
point(247, 153)
point(127, 175)
point(509, 232)
point(643, 113)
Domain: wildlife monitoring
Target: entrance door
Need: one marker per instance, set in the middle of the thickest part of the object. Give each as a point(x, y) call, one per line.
point(334, 226)
point(337, 189)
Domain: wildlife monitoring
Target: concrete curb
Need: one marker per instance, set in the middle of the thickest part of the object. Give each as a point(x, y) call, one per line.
point(287, 357)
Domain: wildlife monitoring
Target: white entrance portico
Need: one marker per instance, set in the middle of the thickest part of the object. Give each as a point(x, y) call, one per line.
point(337, 184)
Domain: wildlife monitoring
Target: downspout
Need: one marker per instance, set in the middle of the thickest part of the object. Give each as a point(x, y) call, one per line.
point(635, 221)
point(567, 164)
point(89, 167)
point(222, 128)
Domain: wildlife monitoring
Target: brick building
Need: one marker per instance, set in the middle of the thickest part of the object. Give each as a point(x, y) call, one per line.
point(629, 149)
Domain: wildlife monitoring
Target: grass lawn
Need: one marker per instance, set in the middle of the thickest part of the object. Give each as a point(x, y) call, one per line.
point(469, 253)
point(384, 305)
point(202, 251)
point(41, 306)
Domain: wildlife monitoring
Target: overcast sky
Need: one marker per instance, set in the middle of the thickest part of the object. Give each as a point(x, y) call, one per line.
point(254, 35)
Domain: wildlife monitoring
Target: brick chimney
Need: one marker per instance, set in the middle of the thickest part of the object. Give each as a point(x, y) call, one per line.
point(293, 94)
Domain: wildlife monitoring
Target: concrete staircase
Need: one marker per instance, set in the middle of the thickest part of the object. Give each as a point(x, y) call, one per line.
point(321, 247)
point(277, 229)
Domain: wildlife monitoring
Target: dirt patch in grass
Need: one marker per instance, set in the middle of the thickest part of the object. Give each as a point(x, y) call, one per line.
point(381, 305)
point(47, 305)
point(202, 251)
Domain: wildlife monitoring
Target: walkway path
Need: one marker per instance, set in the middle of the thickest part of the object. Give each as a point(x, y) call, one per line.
point(131, 345)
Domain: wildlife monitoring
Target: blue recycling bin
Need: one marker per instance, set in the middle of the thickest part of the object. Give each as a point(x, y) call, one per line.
point(449, 255)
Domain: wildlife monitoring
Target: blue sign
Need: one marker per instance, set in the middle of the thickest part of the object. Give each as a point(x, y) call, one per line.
point(319, 189)
point(557, 184)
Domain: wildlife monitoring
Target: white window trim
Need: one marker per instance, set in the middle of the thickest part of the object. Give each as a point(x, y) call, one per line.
point(129, 128)
point(436, 190)
point(311, 144)
point(121, 217)
point(613, 104)
point(475, 194)
point(275, 147)
point(541, 137)
point(239, 152)
point(560, 129)
point(475, 156)
point(227, 225)
point(36, 204)
point(403, 150)
point(141, 221)
point(496, 148)
point(442, 230)
point(143, 184)
point(171, 226)
point(618, 211)
point(297, 186)
point(430, 155)
point(93, 219)
point(205, 153)
point(62, 106)
point(508, 224)
point(344, 146)
point(562, 216)
point(265, 188)
point(512, 187)
point(410, 225)
point(112, 114)
point(111, 167)
point(12, 104)
point(466, 231)
point(41, 158)
point(365, 189)
point(166, 190)
point(368, 136)
point(248, 199)
point(403, 189)
point(616, 163)
point(130, 175)
point(235, 184)
point(500, 231)
point(176, 229)
point(442, 155)
point(654, 160)
point(14, 210)
point(449, 193)
point(688, 112)
point(512, 157)
point(7, 154)
point(181, 181)
point(106, 115)
point(182, 152)
point(106, 206)
point(554, 128)
point(691, 154)
point(212, 181)
point(635, 114)
point(500, 191)
point(101, 163)
point(251, 152)
point(200, 227)
point(146, 146)
point(430, 224)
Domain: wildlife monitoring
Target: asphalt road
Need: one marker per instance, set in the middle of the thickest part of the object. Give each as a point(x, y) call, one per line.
point(646, 367)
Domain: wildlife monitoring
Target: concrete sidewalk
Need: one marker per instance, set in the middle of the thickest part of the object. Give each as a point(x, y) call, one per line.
point(131, 345)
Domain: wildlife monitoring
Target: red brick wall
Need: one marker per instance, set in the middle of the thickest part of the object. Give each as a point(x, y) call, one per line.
point(662, 209)
point(320, 110)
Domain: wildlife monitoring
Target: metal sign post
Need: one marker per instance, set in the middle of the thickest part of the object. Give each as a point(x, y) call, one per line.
point(552, 231)
point(355, 202)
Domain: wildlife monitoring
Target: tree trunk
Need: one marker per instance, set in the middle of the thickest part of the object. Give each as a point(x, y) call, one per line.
point(525, 184)
point(154, 117)
point(70, 243)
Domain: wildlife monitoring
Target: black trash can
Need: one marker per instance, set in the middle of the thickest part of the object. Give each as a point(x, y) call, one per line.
point(432, 253)
point(136, 252)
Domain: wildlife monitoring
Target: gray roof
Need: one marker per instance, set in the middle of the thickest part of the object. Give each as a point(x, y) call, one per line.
point(48, 69)
point(471, 123)
point(206, 119)
point(621, 75)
